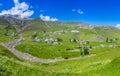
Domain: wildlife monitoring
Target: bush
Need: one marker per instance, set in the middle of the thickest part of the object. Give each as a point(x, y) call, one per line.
point(5, 72)
point(59, 40)
point(65, 57)
point(86, 48)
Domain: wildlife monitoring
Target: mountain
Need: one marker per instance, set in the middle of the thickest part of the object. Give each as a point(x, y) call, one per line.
point(99, 33)
point(104, 56)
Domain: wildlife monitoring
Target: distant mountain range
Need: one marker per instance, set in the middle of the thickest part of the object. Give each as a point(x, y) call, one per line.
point(91, 32)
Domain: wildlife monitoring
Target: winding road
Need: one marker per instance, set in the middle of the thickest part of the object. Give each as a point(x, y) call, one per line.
point(25, 56)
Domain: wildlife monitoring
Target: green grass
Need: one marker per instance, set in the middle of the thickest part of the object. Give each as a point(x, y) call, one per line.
point(106, 64)
point(96, 36)
point(111, 69)
point(12, 67)
point(48, 51)
point(44, 50)
point(5, 52)
point(6, 38)
point(89, 66)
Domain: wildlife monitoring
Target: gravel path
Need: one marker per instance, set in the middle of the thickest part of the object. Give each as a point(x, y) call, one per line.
point(25, 56)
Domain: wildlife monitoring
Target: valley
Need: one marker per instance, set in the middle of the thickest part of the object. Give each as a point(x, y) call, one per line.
point(58, 49)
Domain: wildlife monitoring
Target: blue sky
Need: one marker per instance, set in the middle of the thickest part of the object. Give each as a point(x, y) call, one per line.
point(104, 12)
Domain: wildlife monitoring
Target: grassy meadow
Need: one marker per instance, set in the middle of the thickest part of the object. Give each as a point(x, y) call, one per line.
point(104, 63)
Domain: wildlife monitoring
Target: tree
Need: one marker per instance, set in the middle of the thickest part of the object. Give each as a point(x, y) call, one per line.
point(116, 39)
point(84, 45)
point(81, 44)
point(35, 34)
point(86, 50)
point(59, 40)
point(107, 39)
point(111, 40)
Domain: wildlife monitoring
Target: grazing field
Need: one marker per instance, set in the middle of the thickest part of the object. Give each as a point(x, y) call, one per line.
point(50, 50)
point(93, 66)
point(59, 40)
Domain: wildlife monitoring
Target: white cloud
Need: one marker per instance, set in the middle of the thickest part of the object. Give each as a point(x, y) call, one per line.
point(118, 26)
point(47, 18)
point(73, 10)
point(79, 11)
point(21, 9)
point(16, 1)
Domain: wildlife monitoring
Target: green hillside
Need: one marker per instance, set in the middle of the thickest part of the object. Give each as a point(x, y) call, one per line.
point(63, 31)
point(56, 40)
point(106, 63)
